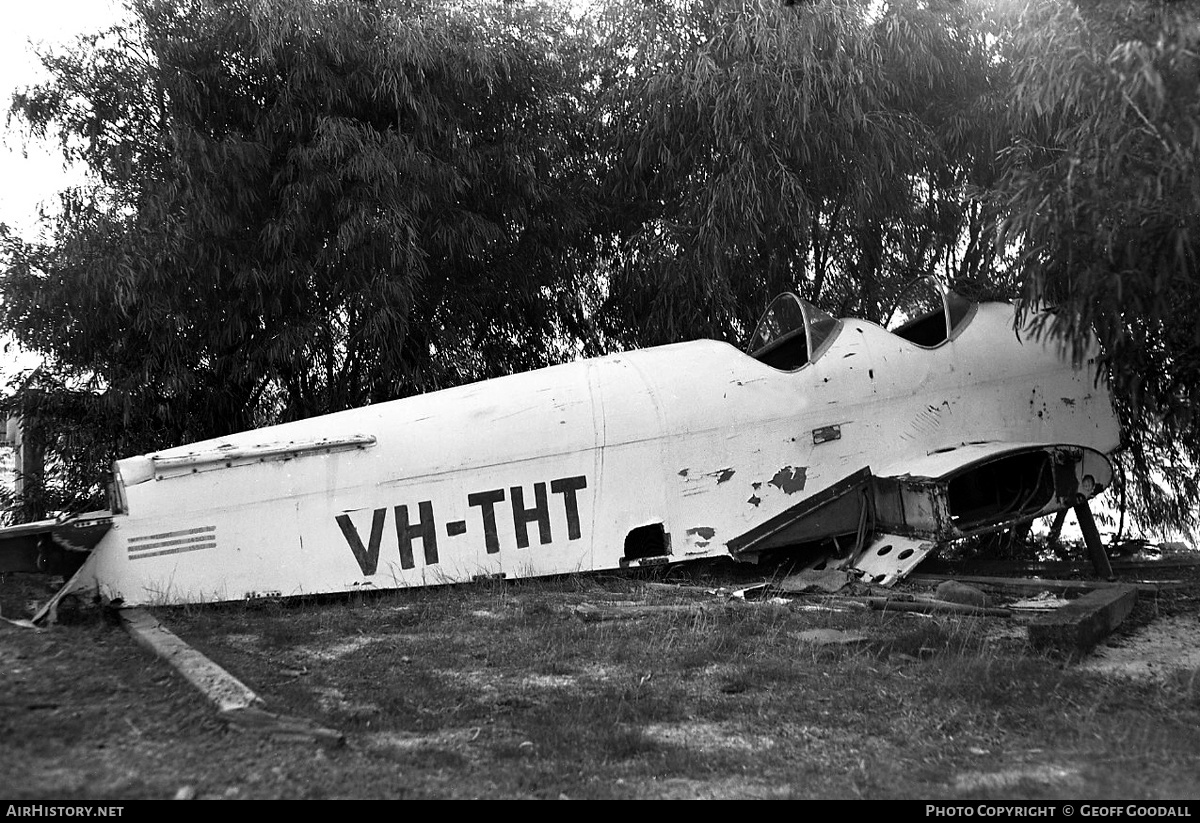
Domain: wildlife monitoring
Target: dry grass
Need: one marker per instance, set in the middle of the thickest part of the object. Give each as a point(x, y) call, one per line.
point(503, 690)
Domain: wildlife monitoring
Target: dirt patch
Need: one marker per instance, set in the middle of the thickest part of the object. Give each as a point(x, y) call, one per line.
point(1159, 651)
point(709, 737)
point(1026, 777)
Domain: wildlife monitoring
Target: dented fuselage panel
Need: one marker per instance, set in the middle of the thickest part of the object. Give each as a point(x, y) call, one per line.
point(656, 455)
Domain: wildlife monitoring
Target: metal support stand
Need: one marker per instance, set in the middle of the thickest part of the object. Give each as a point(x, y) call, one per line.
point(1056, 528)
point(1017, 536)
point(1091, 536)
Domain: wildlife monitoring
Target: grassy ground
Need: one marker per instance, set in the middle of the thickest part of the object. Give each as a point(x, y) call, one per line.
point(572, 688)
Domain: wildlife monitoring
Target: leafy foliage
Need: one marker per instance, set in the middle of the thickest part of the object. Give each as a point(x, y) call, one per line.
point(1103, 195)
point(825, 148)
point(302, 206)
point(299, 206)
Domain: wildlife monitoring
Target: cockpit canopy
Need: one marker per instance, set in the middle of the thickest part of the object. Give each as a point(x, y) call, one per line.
point(794, 332)
point(934, 327)
point(791, 333)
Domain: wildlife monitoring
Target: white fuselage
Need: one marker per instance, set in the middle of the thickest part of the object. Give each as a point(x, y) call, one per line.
point(547, 472)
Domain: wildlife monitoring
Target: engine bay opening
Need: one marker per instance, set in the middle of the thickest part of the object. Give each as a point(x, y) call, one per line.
point(1007, 488)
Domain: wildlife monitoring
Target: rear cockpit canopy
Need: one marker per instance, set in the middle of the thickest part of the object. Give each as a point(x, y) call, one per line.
point(934, 327)
point(792, 333)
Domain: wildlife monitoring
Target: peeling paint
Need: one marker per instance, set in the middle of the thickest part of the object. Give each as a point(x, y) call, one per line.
point(790, 479)
point(683, 472)
point(724, 475)
point(754, 500)
point(705, 532)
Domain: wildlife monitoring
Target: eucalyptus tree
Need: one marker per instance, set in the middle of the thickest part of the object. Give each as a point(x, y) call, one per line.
point(828, 147)
point(298, 206)
point(1102, 192)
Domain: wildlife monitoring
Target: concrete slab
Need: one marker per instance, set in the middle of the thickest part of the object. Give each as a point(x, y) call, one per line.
point(221, 688)
point(236, 703)
point(1082, 623)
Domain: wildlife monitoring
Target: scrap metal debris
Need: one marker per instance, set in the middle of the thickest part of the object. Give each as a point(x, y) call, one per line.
point(1043, 602)
point(829, 581)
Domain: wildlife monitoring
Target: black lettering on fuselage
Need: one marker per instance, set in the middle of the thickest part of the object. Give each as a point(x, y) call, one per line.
point(522, 516)
point(426, 530)
point(426, 527)
point(486, 501)
point(567, 486)
point(368, 558)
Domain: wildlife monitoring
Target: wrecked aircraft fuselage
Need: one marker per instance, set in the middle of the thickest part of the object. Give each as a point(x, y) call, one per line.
point(881, 444)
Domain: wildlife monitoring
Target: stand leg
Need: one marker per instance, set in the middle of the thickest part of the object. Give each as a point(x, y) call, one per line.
point(1091, 536)
point(1056, 528)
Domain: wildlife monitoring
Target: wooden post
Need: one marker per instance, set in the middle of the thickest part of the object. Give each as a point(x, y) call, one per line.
point(31, 469)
